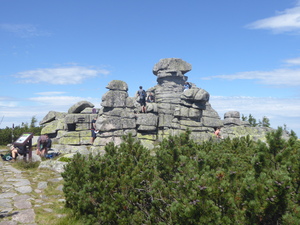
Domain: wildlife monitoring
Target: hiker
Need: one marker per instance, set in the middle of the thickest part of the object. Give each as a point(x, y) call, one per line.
point(150, 97)
point(186, 86)
point(42, 145)
point(93, 130)
point(141, 93)
point(49, 144)
point(218, 132)
point(18, 150)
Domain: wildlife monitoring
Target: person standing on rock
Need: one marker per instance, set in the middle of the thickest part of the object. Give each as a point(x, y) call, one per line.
point(141, 93)
point(93, 130)
point(42, 145)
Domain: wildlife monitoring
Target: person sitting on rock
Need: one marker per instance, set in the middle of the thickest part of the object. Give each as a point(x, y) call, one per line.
point(42, 143)
point(186, 86)
point(150, 97)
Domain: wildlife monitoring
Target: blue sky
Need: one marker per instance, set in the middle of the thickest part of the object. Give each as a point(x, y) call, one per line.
point(246, 54)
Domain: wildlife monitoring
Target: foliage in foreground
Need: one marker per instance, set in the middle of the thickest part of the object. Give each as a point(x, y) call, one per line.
point(235, 181)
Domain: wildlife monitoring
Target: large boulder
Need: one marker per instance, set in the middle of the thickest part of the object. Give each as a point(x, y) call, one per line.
point(79, 106)
point(171, 67)
point(52, 115)
point(114, 99)
point(118, 85)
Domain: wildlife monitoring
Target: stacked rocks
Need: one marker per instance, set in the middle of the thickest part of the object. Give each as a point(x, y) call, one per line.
point(72, 128)
point(116, 117)
point(174, 111)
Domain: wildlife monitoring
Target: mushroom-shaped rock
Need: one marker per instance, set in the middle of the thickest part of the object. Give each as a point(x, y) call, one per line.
point(232, 114)
point(232, 118)
point(114, 99)
point(79, 106)
point(118, 85)
point(172, 65)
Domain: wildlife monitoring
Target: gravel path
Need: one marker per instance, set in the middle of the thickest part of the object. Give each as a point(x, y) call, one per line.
point(19, 197)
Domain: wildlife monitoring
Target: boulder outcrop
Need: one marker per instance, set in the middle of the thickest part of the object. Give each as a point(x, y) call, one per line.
point(174, 111)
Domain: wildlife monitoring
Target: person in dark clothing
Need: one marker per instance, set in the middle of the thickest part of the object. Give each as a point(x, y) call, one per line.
point(18, 150)
point(93, 130)
point(186, 86)
point(42, 145)
point(49, 144)
point(141, 93)
point(150, 97)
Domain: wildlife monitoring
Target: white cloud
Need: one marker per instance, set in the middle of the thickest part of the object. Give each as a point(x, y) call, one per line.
point(23, 30)
point(8, 103)
point(56, 100)
point(63, 75)
point(51, 93)
point(287, 20)
point(280, 111)
point(293, 61)
point(283, 77)
point(38, 107)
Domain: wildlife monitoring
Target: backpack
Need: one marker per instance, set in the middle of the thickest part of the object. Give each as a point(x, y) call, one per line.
point(52, 155)
point(6, 157)
point(142, 94)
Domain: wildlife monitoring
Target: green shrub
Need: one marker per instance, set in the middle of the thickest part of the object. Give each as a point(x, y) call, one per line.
point(64, 159)
point(235, 181)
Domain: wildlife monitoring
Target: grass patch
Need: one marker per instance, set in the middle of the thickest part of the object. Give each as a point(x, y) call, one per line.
point(22, 165)
point(65, 159)
point(48, 203)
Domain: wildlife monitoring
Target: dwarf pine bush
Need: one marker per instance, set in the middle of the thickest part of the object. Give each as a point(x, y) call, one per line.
point(235, 181)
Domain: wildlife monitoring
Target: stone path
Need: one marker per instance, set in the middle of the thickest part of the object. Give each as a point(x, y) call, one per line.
point(19, 197)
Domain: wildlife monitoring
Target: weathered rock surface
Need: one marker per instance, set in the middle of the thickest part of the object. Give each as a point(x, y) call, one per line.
point(174, 111)
point(79, 106)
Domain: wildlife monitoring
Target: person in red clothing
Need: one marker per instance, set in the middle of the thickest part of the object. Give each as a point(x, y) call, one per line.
point(218, 132)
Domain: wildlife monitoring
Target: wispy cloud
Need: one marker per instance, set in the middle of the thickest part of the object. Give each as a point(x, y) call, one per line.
point(8, 104)
point(63, 75)
point(283, 77)
point(287, 20)
point(257, 105)
point(56, 100)
point(51, 93)
point(280, 111)
point(23, 30)
point(293, 61)
point(18, 112)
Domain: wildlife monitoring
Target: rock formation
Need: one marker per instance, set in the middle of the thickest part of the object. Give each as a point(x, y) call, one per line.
point(175, 110)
